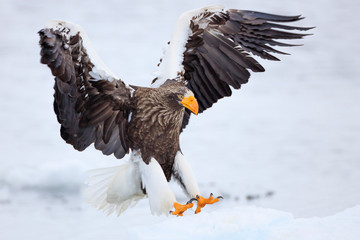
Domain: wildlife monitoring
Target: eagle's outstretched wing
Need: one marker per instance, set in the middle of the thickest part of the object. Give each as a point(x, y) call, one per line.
point(91, 104)
point(210, 50)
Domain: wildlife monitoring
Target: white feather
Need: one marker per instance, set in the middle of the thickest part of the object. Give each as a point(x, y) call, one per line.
point(183, 170)
point(114, 189)
point(171, 63)
point(161, 198)
point(68, 29)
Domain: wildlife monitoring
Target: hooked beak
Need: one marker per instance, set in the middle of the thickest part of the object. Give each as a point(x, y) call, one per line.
point(191, 104)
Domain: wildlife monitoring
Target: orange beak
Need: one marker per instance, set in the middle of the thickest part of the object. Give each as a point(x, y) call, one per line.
point(191, 104)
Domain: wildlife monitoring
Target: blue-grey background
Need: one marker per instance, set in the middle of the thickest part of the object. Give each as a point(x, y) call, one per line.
point(293, 130)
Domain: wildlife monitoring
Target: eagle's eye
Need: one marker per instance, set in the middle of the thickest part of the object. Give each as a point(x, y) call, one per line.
point(181, 97)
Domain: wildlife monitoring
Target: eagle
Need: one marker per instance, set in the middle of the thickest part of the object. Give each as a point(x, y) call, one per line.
point(211, 52)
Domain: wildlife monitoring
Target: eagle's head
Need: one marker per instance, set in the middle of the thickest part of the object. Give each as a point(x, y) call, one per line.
point(180, 96)
point(189, 101)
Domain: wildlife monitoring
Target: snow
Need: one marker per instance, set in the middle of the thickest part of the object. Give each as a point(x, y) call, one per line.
point(255, 223)
point(288, 140)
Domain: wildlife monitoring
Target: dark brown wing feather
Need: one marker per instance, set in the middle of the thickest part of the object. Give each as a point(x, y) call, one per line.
point(216, 56)
point(89, 110)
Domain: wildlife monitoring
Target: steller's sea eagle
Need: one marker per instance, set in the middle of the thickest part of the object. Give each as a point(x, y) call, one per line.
point(209, 52)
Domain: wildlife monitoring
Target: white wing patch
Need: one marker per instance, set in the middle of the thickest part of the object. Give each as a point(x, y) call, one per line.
point(171, 65)
point(68, 30)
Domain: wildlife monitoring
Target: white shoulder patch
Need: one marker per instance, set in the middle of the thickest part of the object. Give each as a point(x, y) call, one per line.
point(69, 29)
point(171, 63)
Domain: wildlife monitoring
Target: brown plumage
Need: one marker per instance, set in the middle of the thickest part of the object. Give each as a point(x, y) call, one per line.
point(91, 111)
point(155, 124)
point(93, 106)
point(217, 55)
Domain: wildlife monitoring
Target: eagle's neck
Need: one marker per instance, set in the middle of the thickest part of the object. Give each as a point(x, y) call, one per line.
point(156, 110)
point(155, 127)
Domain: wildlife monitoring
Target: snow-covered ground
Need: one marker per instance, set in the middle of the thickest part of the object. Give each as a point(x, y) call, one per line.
point(283, 151)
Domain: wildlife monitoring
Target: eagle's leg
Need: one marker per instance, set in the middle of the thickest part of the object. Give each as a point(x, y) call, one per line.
point(181, 208)
point(184, 175)
point(201, 201)
point(161, 198)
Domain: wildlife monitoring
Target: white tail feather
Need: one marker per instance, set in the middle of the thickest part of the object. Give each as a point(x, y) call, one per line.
point(114, 189)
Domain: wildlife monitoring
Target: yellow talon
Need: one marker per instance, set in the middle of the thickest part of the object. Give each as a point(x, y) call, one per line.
point(181, 208)
point(201, 201)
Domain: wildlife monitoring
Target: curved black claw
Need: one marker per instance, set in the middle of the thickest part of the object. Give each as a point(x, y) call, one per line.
point(191, 200)
point(211, 194)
